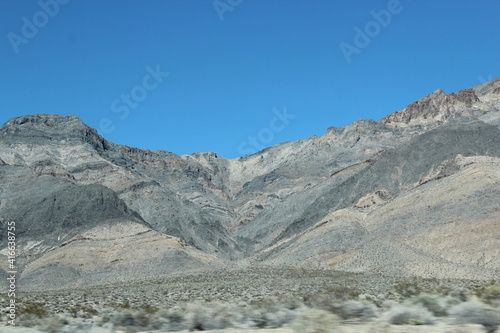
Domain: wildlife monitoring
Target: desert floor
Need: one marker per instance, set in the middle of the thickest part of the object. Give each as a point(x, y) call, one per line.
point(358, 328)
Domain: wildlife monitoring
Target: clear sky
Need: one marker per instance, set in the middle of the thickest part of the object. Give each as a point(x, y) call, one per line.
point(235, 76)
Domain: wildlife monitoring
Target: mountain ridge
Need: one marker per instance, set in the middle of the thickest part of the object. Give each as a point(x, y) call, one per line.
point(302, 203)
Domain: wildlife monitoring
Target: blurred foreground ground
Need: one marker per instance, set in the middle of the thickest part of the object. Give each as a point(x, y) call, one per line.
point(354, 328)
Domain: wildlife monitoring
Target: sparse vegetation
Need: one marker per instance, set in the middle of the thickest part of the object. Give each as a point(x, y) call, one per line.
point(476, 313)
point(316, 321)
point(410, 315)
point(81, 311)
point(408, 289)
point(357, 310)
point(490, 295)
point(36, 309)
point(435, 304)
point(260, 298)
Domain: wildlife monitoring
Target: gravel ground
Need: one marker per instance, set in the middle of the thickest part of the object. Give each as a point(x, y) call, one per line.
point(260, 297)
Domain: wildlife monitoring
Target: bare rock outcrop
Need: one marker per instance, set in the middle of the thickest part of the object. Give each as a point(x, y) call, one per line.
point(415, 193)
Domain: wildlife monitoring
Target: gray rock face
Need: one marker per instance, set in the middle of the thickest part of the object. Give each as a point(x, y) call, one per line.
point(342, 200)
point(437, 107)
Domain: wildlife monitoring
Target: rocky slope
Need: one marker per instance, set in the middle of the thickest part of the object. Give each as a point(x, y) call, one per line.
point(415, 193)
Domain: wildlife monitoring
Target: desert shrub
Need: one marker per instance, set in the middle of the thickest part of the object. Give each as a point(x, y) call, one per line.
point(123, 305)
point(209, 316)
point(476, 313)
point(408, 289)
point(291, 303)
point(172, 319)
point(449, 302)
point(271, 317)
point(409, 315)
point(149, 309)
point(35, 309)
point(123, 319)
point(324, 302)
point(279, 318)
point(315, 321)
point(53, 324)
point(433, 303)
point(343, 292)
point(356, 309)
point(267, 312)
point(87, 327)
point(462, 294)
point(223, 316)
point(142, 319)
point(105, 317)
point(129, 320)
point(29, 321)
point(490, 295)
point(255, 317)
point(81, 311)
point(32, 314)
point(346, 309)
point(443, 290)
point(176, 319)
point(377, 300)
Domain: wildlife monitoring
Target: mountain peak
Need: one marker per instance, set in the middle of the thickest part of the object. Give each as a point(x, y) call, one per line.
point(437, 107)
point(43, 122)
point(434, 108)
point(42, 128)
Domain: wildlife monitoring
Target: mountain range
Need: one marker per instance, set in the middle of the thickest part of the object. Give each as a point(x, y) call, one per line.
point(413, 194)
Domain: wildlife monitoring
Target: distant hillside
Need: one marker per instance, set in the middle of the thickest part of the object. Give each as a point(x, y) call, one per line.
point(415, 193)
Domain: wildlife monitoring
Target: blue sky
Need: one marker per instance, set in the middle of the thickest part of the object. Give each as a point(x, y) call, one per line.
point(235, 76)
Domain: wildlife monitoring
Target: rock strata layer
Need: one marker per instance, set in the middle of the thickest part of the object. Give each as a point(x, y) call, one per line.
point(415, 193)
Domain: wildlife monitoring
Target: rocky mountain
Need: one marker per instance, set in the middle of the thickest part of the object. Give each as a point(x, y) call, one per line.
point(415, 193)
